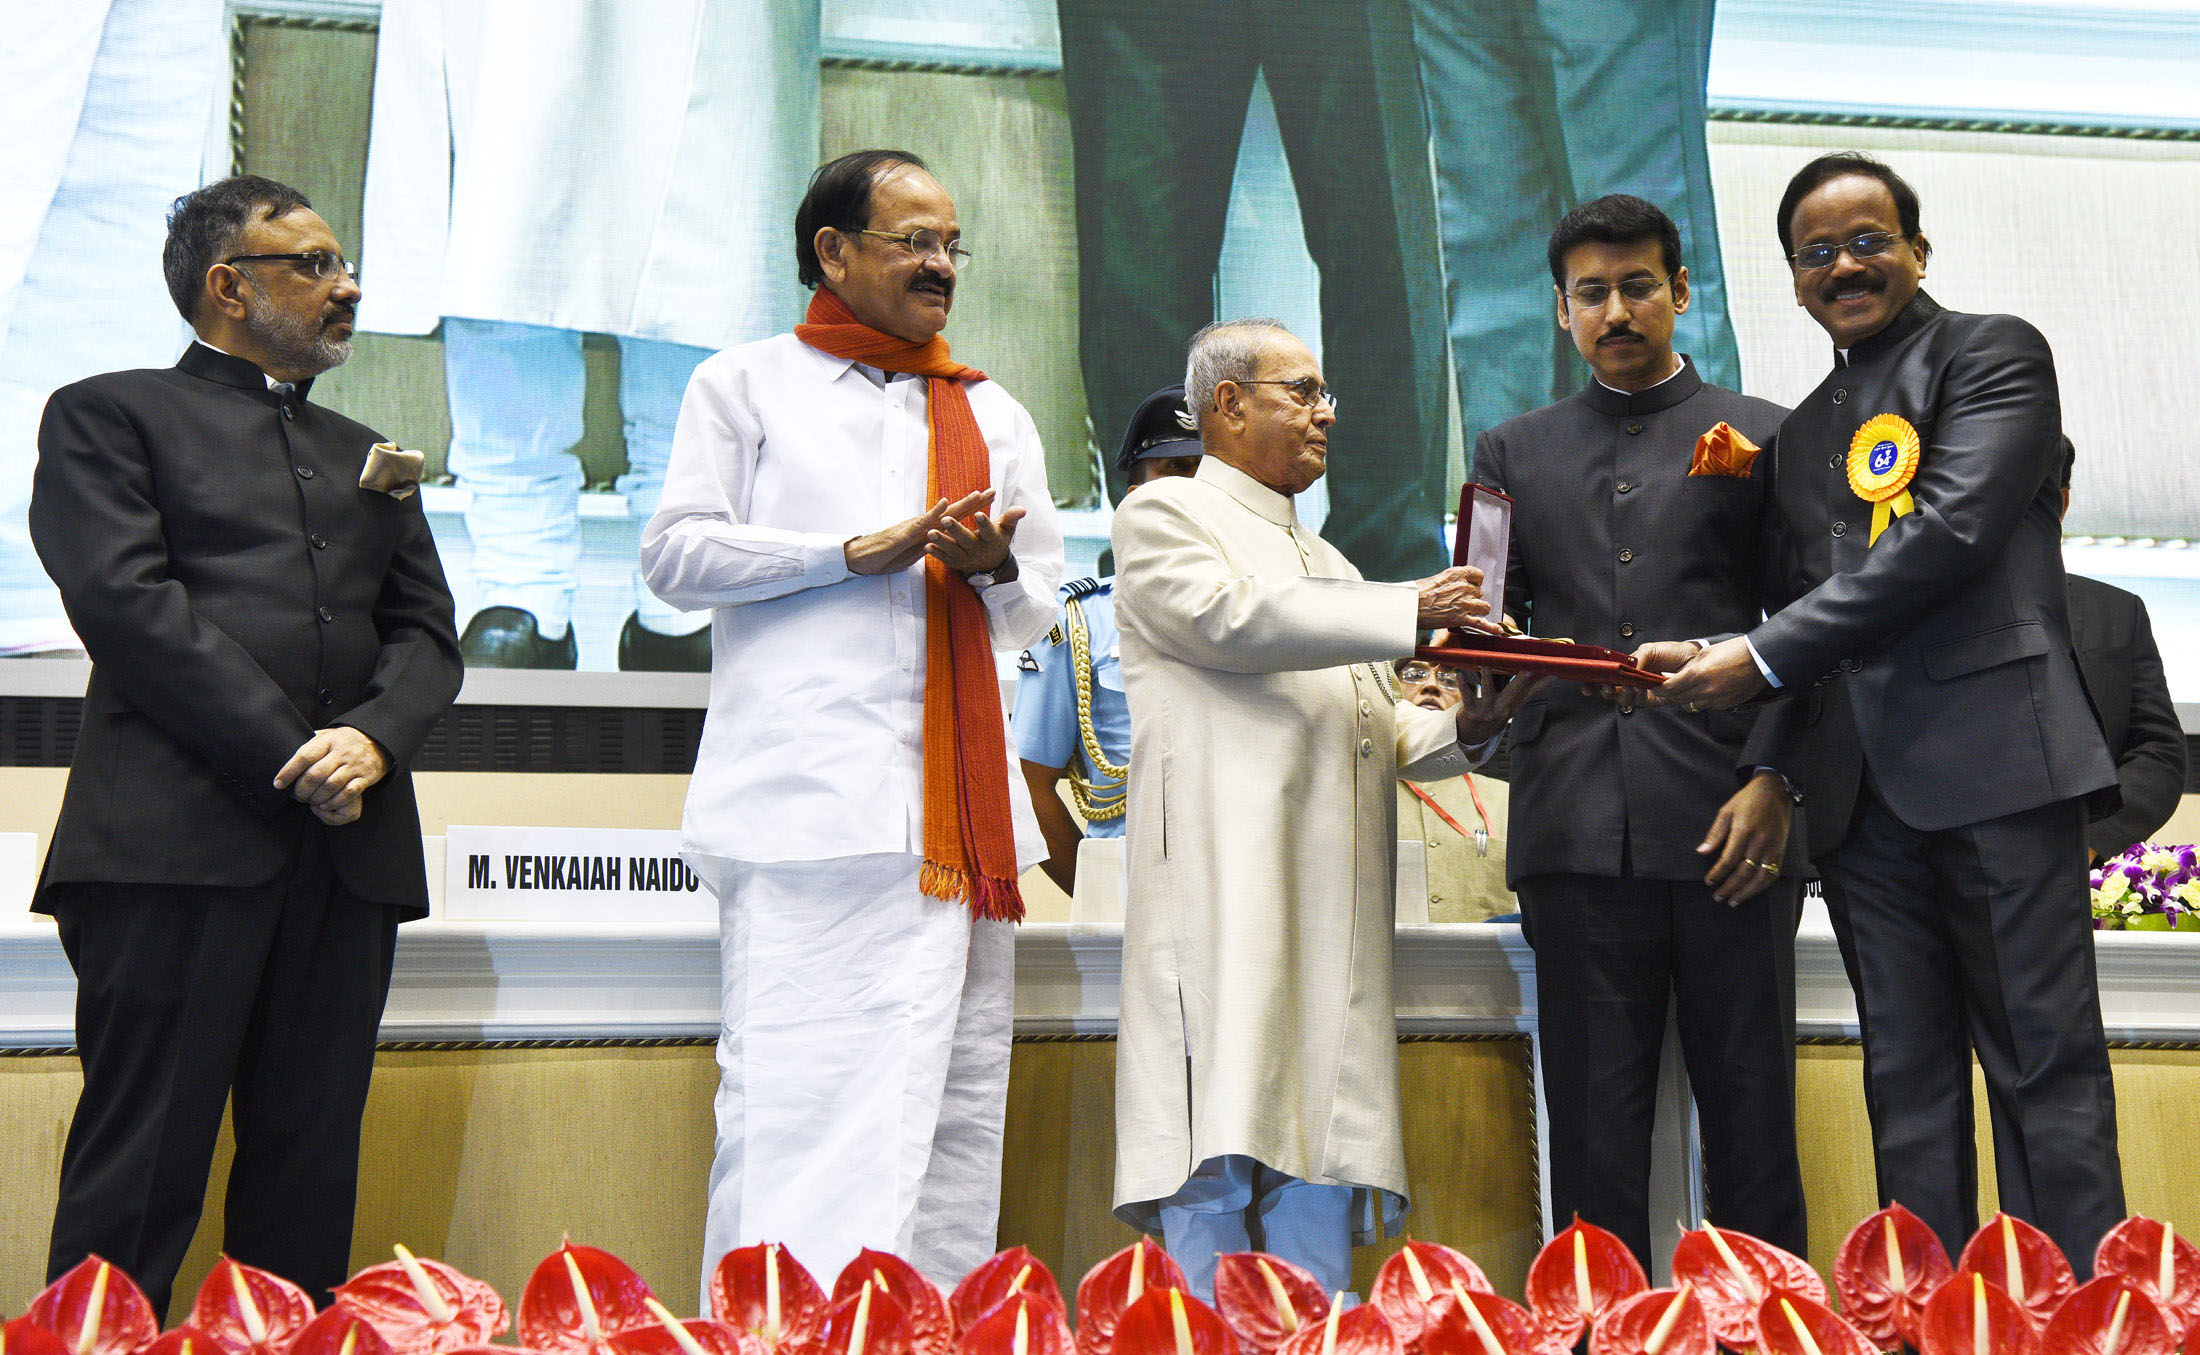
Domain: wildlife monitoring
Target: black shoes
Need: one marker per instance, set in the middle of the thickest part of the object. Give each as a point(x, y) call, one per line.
point(644, 650)
point(508, 637)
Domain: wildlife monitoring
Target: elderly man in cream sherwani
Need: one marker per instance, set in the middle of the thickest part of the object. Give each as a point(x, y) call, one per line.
point(1257, 1082)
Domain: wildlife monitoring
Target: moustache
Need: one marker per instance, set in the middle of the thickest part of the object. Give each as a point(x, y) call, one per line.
point(345, 316)
point(1865, 282)
point(944, 288)
point(1618, 336)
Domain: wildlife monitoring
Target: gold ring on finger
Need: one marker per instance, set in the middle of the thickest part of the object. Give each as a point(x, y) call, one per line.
point(1747, 862)
point(1694, 709)
point(1768, 868)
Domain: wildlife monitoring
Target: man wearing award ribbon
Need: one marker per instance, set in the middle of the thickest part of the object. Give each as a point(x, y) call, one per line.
point(867, 521)
point(1936, 718)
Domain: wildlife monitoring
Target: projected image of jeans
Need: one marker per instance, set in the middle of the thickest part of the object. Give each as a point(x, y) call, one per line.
point(1536, 106)
point(1156, 123)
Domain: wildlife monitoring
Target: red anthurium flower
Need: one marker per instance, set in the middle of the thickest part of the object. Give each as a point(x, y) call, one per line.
point(96, 1310)
point(2024, 1261)
point(1024, 1323)
point(244, 1308)
point(1789, 1323)
point(1578, 1274)
point(2162, 1265)
point(930, 1325)
point(1362, 1331)
point(1477, 1322)
point(25, 1337)
point(1265, 1299)
point(1888, 1266)
point(1416, 1280)
point(763, 1289)
point(577, 1297)
point(1114, 1285)
point(2109, 1316)
point(1172, 1322)
point(668, 1335)
point(423, 1307)
point(339, 1332)
point(1734, 1273)
point(1015, 1271)
point(185, 1340)
point(1655, 1322)
point(1972, 1316)
point(867, 1322)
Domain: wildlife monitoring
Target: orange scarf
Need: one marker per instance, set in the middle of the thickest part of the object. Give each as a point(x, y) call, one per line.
point(969, 842)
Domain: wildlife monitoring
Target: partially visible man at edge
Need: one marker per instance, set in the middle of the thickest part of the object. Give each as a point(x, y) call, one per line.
point(271, 641)
point(1459, 820)
point(2123, 675)
point(1262, 834)
point(867, 522)
point(1936, 719)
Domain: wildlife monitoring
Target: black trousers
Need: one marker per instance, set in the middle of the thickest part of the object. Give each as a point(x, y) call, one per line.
point(1980, 940)
point(1155, 122)
point(188, 997)
point(1607, 953)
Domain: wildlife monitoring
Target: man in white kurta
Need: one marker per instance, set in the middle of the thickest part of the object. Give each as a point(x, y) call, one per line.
point(1256, 1092)
point(865, 1042)
point(538, 170)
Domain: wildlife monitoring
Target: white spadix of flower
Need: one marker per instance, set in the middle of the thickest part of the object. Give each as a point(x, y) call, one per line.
point(255, 1326)
point(431, 1298)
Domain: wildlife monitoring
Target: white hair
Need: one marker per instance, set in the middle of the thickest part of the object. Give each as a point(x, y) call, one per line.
point(1227, 350)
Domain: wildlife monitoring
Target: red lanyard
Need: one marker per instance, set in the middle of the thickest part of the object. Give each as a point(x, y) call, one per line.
point(1479, 807)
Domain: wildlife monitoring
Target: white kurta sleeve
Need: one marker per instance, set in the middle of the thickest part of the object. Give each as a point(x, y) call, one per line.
point(1429, 748)
point(696, 551)
point(1019, 612)
point(1193, 604)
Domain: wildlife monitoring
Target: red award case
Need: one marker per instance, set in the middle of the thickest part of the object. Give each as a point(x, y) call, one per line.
point(1484, 540)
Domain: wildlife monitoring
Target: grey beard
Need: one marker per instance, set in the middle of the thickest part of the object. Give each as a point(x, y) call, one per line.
point(297, 343)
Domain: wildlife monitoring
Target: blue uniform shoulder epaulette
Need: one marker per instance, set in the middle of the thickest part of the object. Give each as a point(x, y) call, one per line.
point(1081, 588)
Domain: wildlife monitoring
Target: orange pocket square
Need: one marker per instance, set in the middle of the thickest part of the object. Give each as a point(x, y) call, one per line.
point(1723, 451)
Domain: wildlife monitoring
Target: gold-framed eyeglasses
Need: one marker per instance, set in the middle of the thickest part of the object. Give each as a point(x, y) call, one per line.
point(321, 263)
point(1634, 291)
point(1414, 672)
point(1869, 245)
point(1308, 392)
point(926, 242)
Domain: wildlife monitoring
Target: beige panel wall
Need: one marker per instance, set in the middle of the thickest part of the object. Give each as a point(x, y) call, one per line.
point(487, 1157)
point(2157, 1115)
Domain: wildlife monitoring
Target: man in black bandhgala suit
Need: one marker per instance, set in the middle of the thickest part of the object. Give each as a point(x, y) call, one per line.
point(271, 640)
point(1936, 719)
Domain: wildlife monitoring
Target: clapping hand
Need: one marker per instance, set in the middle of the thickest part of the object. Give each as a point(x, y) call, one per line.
point(891, 550)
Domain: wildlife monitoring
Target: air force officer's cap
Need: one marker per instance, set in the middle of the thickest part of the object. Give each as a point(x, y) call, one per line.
point(1161, 427)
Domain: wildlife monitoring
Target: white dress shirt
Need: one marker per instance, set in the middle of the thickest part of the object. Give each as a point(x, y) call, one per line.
point(814, 743)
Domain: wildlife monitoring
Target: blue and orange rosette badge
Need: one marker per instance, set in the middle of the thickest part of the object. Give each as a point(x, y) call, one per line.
point(1882, 462)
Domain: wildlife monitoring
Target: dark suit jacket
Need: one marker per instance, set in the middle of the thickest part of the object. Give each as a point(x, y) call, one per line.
point(1614, 543)
point(2123, 674)
point(1944, 649)
point(236, 590)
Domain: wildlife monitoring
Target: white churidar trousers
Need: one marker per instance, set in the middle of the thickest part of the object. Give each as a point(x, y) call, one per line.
point(863, 1060)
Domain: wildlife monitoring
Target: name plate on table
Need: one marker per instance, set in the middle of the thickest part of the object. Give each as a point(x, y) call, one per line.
point(500, 874)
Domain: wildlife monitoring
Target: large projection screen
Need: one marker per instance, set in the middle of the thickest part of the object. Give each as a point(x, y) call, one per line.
point(559, 206)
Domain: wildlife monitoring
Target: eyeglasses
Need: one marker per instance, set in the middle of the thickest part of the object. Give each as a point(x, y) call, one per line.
point(1634, 291)
point(319, 262)
point(926, 243)
point(1870, 245)
point(1414, 674)
point(1307, 391)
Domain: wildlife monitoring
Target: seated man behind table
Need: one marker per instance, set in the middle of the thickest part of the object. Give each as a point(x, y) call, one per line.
point(1462, 820)
point(2123, 674)
point(1071, 719)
